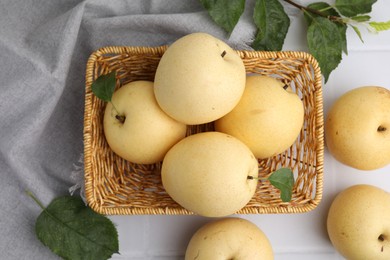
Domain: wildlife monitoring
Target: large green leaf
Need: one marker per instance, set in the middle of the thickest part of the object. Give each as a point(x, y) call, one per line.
point(351, 8)
point(327, 10)
point(73, 231)
point(225, 13)
point(272, 24)
point(324, 44)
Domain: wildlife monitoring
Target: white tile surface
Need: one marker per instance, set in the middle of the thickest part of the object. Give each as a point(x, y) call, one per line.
point(294, 236)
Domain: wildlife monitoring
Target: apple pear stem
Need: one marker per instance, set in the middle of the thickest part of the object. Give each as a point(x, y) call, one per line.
point(249, 177)
point(118, 116)
point(381, 128)
point(223, 54)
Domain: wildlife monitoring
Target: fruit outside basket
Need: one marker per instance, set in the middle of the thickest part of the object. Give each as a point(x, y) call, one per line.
point(114, 186)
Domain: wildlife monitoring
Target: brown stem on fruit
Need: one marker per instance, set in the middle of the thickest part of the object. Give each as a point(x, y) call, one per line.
point(120, 118)
point(381, 238)
point(381, 128)
point(249, 177)
point(223, 54)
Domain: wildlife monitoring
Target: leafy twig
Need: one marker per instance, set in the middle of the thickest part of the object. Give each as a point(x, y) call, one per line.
point(273, 23)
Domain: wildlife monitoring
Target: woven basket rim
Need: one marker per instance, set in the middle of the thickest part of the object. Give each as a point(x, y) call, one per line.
point(92, 195)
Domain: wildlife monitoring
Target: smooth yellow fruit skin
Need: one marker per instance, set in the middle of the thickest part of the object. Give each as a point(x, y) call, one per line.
point(207, 173)
point(351, 128)
point(194, 84)
point(357, 218)
point(229, 238)
point(147, 133)
point(268, 118)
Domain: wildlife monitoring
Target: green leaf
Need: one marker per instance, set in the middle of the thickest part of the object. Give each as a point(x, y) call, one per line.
point(357, 31)
point(103, 87)
point(73, 231)
point(272, 23)
point(361, 18)
point(324, 44)
point(351, 8)
point(380, 26)
point(225, 13)
point(328, 10)
point(283, 179)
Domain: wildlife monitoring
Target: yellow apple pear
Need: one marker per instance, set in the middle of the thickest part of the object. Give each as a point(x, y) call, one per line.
point(357, 128)
point(207, 173)
point(358, 223)
point(229, 238)
point(199, 79)
point(136, 128)
point(268, 118)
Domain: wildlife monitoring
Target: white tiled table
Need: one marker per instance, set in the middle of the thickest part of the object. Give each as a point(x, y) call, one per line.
point(294, 236)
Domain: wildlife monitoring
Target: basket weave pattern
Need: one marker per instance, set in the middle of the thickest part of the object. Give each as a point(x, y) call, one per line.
point(117, 187)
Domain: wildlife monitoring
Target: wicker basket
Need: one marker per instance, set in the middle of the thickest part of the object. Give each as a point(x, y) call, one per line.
point(117, 187)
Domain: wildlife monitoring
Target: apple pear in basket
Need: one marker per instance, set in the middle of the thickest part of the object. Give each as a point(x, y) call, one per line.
point(268, 118)
point(199, 79)
point(211, 174)
point(136, 128)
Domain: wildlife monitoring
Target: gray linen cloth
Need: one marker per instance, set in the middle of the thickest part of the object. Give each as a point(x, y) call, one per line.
point(44, 47)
